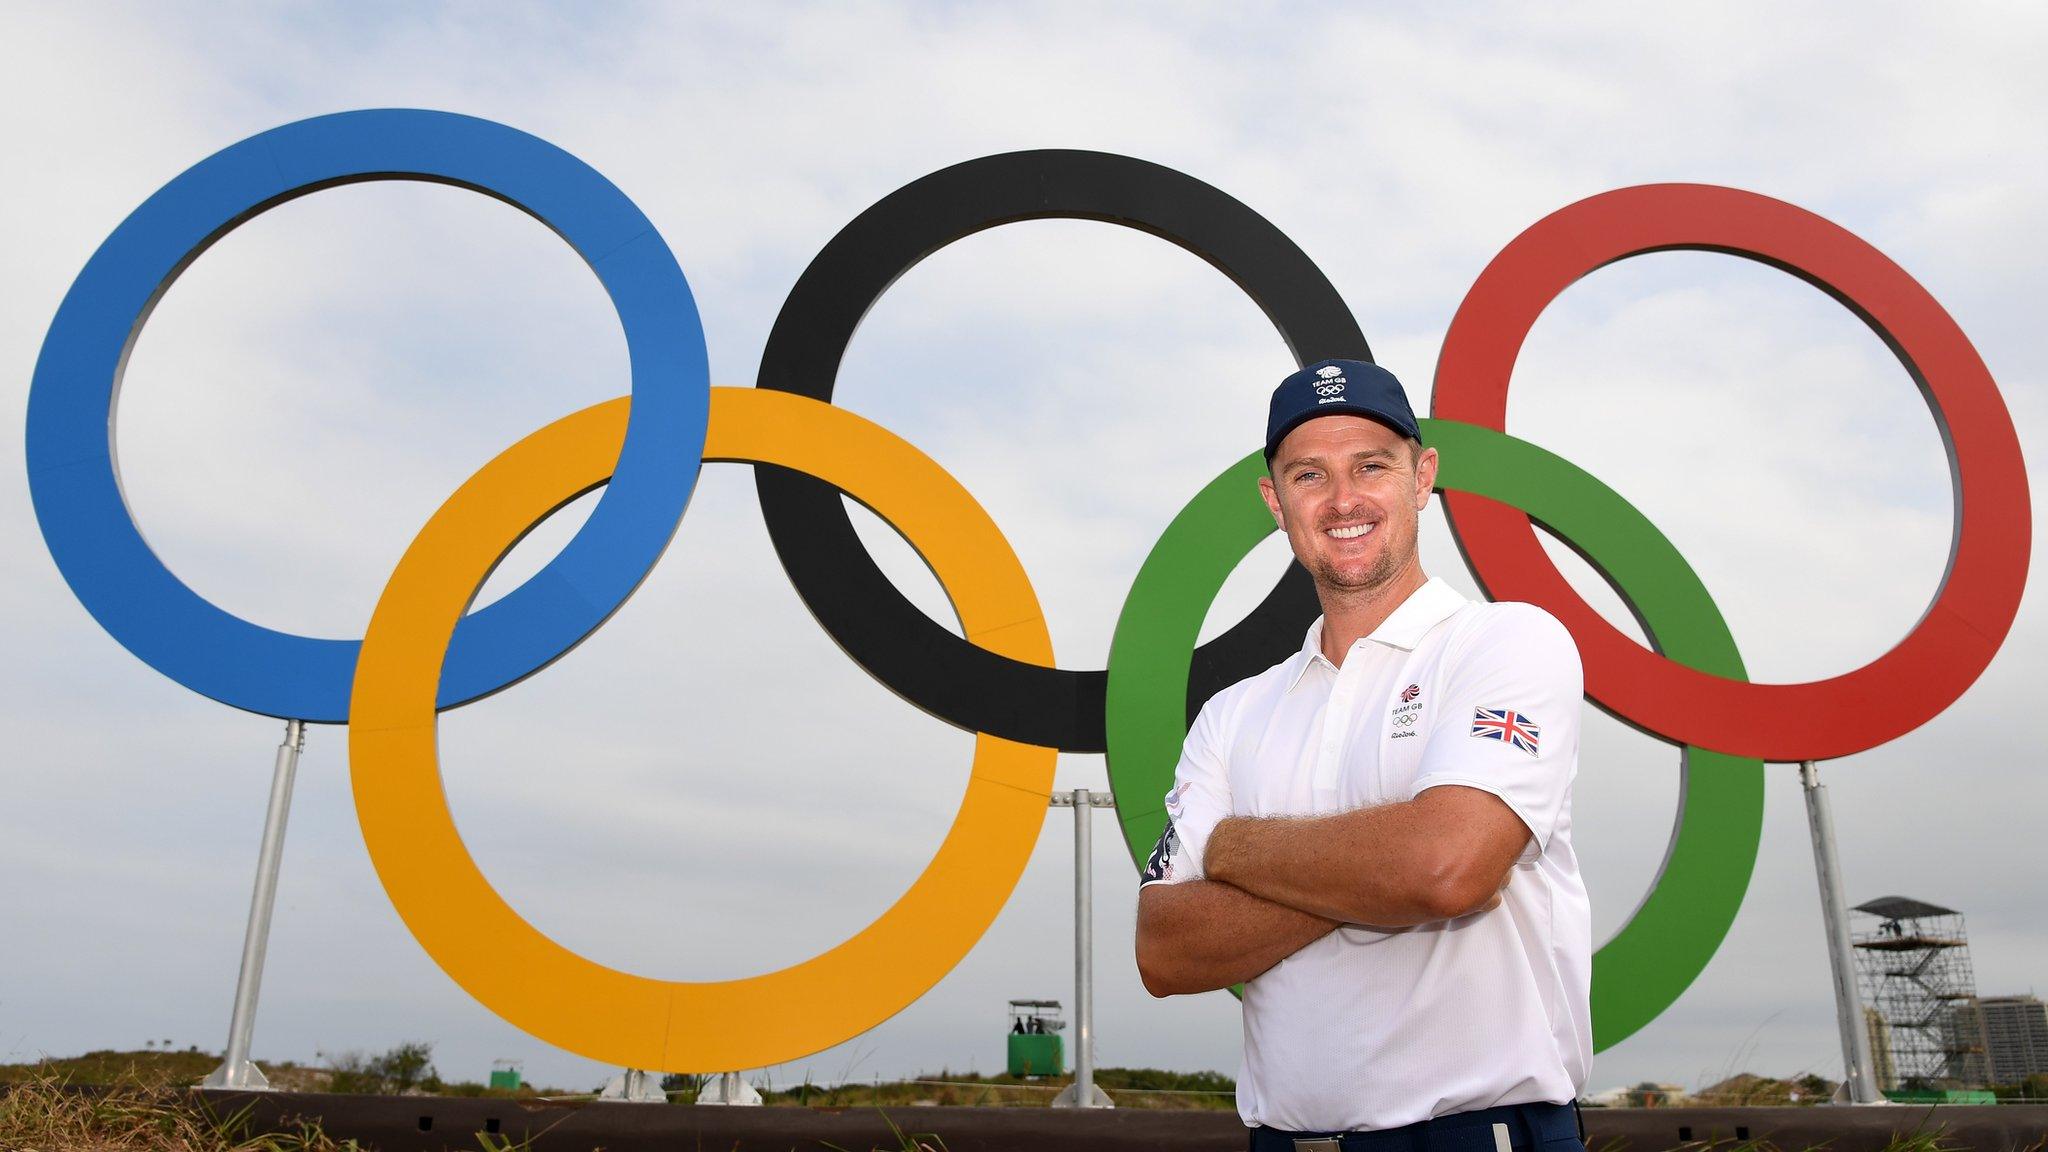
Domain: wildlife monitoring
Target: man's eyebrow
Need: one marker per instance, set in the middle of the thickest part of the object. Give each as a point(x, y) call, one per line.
point(1361, 454)
point(1289, 465)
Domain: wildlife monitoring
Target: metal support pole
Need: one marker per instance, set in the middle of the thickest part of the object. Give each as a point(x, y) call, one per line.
point(1083, 1093)
point(235, 1070)
point(1084, 948)
point(1861, 1085)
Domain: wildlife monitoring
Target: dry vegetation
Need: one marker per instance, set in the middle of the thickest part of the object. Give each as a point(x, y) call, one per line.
point(44, 1114)
point(141, 1102)
point(157, 1068)
point(1131, 1088)
point(112, 1101)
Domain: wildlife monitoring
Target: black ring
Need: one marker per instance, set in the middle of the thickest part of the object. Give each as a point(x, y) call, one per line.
point(851, 598)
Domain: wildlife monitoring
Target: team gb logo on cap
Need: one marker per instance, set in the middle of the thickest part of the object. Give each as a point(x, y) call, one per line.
point(1332, 386)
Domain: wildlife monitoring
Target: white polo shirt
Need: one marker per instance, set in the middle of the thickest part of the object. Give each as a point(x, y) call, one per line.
point(1364, 1028)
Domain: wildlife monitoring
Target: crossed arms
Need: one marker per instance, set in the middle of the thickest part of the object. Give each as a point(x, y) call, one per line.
point(1274, 884)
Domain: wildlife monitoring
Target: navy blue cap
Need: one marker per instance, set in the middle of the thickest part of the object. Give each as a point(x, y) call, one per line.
point(1338, 387)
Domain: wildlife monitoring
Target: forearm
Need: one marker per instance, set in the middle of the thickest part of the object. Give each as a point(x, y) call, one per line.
point(1201, 935)
point(1392, 866)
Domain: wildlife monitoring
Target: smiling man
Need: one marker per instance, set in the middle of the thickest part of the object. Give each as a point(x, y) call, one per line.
point(1374, 835)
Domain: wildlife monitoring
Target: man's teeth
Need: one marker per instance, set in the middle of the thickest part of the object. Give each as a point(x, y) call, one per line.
point(1352, 533)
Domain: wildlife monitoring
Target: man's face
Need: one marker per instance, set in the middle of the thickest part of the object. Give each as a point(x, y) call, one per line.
point(1348, 491)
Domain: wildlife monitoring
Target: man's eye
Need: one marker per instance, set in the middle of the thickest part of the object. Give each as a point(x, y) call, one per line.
point(1307, 477)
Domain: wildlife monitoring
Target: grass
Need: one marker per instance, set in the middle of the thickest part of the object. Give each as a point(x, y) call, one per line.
point(164, 1068)
point(142, 1102)
point(47, 1115)
point(1134, 1088)
point(157, 1068)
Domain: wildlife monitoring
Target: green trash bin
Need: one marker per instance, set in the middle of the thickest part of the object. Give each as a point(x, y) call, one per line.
point(1035, 1045)
point(505, 1076)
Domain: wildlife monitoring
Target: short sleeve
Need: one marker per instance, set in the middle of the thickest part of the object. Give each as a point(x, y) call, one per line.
point(1200, 799)
point(1507, 720)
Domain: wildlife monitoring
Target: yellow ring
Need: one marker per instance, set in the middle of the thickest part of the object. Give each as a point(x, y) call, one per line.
point(635, 1021)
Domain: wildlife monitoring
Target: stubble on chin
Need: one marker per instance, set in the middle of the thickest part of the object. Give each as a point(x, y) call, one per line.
point(1328, 575)
point(1334, 581)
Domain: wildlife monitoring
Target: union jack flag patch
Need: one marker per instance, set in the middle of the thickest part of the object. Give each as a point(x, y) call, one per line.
point(1506, 726)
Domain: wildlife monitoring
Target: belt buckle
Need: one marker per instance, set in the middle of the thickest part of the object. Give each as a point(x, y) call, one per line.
point(1318, 1144)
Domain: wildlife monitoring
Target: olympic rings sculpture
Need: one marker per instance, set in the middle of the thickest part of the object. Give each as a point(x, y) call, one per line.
point(75, 480)
point(424, 652)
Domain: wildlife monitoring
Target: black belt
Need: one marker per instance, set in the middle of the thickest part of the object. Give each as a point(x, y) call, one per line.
point(1523, 1127)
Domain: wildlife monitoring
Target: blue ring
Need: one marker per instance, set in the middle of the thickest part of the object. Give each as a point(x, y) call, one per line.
point(74, 480)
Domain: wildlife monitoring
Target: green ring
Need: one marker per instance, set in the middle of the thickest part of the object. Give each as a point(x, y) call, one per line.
point(1670, 937)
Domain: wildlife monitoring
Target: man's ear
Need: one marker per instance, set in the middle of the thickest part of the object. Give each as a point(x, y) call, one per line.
point(1425, 477)
point(1272, 499)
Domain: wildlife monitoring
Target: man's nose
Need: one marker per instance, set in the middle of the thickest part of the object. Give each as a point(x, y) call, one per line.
point(1348, 495)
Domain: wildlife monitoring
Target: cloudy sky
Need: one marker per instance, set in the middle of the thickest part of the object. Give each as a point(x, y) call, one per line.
point(708, 788)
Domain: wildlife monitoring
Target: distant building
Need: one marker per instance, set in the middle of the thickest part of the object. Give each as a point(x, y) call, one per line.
point(1607, 1098)
point(2015, 1030)
point(1644, 1095)
point(1880, 1049)
point(1650, 1094)
point(1962, 1033)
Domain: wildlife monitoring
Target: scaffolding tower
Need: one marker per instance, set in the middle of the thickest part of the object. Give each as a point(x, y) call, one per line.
point(1913, 966)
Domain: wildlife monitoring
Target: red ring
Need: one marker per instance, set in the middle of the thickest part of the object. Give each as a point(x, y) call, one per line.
point(1979, 594)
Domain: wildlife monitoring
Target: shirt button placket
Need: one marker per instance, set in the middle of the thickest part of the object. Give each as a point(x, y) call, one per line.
point(1337, 724)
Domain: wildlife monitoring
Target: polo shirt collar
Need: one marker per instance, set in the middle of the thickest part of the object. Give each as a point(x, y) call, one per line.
point(1424, 609)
